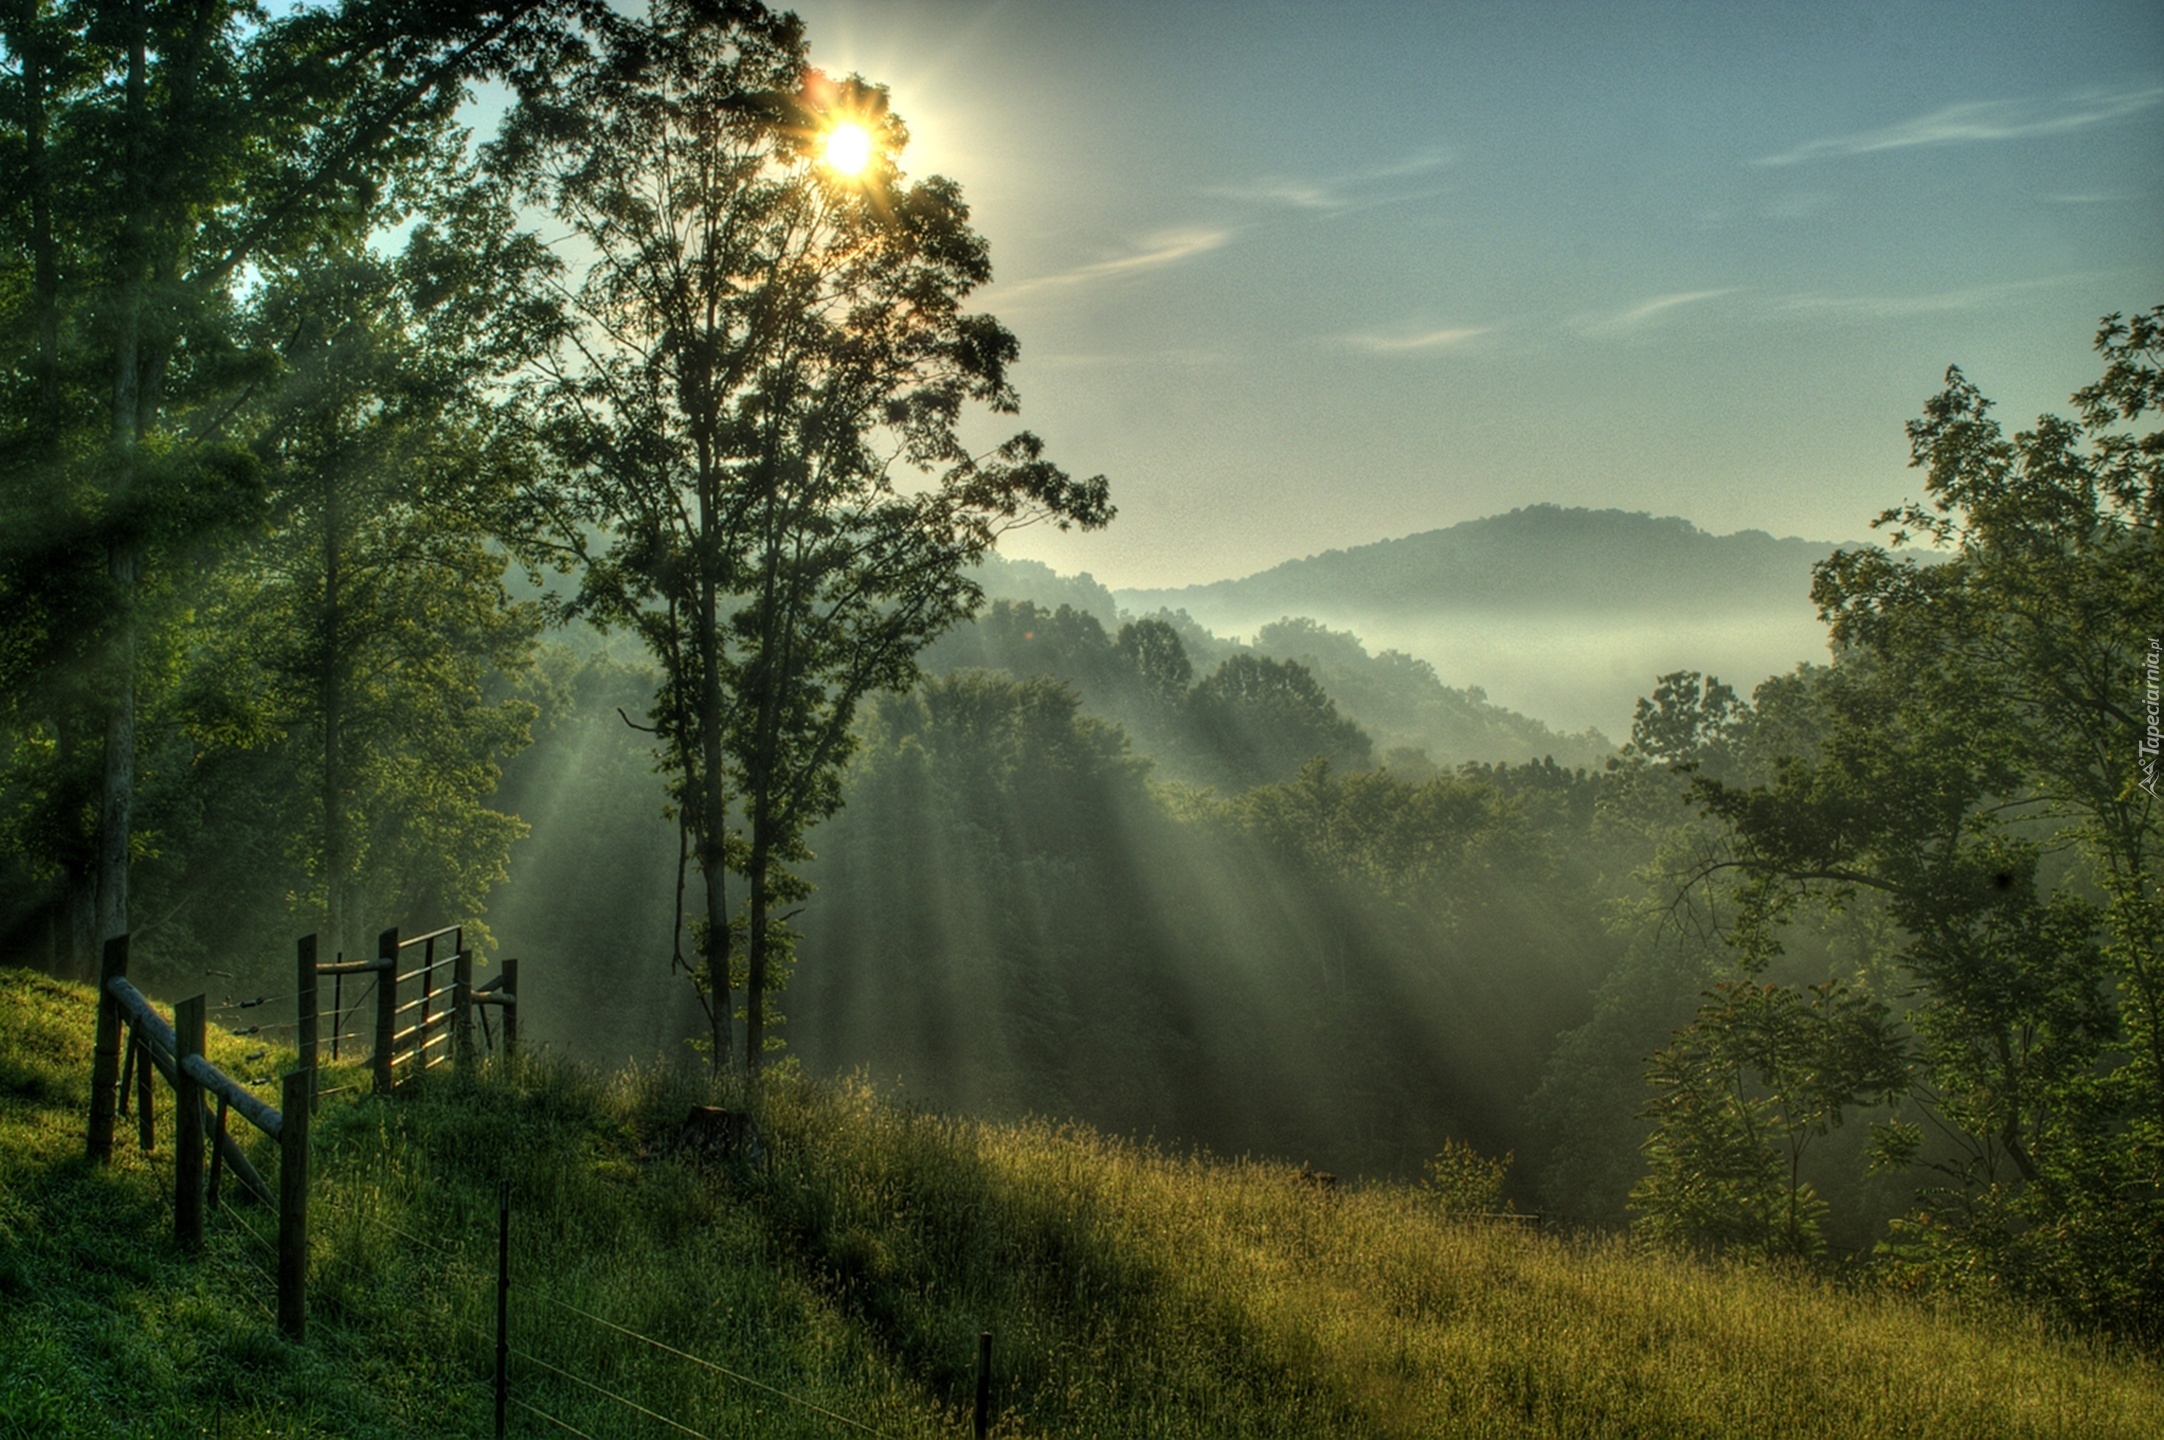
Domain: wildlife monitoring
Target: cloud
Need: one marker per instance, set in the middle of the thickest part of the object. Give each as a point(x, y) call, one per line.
point(1975, 121)
point(1168, 247)
point(1414, 344)
point(1896, 307)
point(1335, 194)
point(1638, 315)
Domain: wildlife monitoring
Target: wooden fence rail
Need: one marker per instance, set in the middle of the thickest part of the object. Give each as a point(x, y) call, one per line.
point(179, 1047)
point(134, 1040)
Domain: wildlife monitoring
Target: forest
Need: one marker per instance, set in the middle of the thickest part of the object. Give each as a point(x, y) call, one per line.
point(366, 561)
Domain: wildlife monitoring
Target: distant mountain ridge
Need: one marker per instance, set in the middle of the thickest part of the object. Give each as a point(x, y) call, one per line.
point(1539, 557)
point(1566, 615)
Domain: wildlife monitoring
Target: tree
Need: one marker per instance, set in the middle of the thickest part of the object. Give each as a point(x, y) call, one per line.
point(1741, 1094)
point(369, 611)
point(1261, 719)
point(760, 349)
point(159, 150)
point(1980, 772)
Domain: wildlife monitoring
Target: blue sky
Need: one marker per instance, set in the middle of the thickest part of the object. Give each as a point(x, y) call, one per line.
point(1305, 276)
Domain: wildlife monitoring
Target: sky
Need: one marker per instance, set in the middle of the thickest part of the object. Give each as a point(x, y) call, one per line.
point(1299, 277)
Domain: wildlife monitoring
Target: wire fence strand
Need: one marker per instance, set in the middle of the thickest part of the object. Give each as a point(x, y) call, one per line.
point(610, 1395)
point(424, 1244)
point(721, 1370)
point(230, 1003)
point(253, 1234)
point(544, 1415)
point(661, 1345)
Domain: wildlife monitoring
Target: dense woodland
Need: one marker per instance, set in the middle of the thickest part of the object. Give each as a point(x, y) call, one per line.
point(365, 564)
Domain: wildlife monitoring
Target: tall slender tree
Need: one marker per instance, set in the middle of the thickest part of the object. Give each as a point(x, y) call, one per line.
point(762, 345)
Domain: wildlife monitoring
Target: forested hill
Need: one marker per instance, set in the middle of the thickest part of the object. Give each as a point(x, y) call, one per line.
point(1069, 627)
point(1540, 557)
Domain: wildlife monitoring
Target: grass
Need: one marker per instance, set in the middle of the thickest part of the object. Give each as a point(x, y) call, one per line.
point(1130, 1293)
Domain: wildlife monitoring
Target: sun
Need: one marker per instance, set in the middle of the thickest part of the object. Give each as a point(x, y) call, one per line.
point(848, 149)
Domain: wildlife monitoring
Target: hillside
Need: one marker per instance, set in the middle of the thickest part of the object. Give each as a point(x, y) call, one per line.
point(1399, 699)
point(1130, 1293)
point(1540, 557)
point(1564, 615)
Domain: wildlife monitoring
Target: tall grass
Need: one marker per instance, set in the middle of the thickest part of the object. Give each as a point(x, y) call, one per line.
point(1130, 1292)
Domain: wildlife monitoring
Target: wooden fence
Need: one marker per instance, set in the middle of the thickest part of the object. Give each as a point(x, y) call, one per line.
point(133, 1040)
point(176, 1051)
point(433, 1026)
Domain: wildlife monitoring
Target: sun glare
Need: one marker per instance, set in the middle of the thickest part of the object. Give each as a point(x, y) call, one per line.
point(849, 149)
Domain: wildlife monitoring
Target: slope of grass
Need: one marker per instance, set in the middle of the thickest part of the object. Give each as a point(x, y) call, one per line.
point(1130, 1293)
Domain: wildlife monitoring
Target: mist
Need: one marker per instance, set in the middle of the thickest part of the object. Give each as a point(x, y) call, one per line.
point(1580, 670)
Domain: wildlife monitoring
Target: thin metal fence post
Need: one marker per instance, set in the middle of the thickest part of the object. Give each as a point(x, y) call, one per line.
point(293, 1206)
point(984, 1385)
point(105, 1057)
point(188, 1027)
point(338, 1008)
point(503, 1300)
point(305, 973)
point(386, 1005)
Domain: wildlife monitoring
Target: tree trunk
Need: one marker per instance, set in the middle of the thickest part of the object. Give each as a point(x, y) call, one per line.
point(713, 801)
point(44, 248)
point(123, 559)
point(332, 698)
point(755, 939)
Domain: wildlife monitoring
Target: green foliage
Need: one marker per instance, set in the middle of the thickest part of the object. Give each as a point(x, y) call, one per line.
point(157, 161)
point(1740, 1096)
point(1461, 1181)
point(1261, 719)
point(1976, 774)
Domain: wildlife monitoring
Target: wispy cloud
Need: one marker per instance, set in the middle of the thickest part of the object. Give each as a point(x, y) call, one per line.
point(1976, 121)
point(1154, 252)
point(1420, 342)
point(1333, 194)
point(1897, 307)
point(1638, 315)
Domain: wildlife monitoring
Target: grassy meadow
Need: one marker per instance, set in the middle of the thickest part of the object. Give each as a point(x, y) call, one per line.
point(1131, 1293)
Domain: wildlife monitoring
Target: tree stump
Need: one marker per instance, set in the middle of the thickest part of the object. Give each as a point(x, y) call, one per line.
point(712, 1132)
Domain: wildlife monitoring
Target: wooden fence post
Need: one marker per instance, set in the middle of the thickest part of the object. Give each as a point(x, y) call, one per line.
point(510, 1011)
point(146, 1094)
point(293, 1206)
point(386, 1005)
point(462, 1006)
point(188, 1025)
point(428, 983)
point(105, 1058)
point(305, 973)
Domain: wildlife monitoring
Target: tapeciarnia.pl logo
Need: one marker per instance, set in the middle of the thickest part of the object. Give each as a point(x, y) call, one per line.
point(2146, 756)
